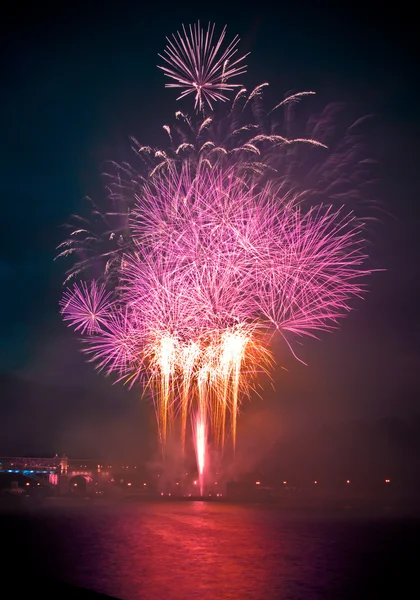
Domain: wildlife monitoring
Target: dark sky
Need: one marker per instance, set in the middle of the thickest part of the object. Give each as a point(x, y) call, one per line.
point(76, 82)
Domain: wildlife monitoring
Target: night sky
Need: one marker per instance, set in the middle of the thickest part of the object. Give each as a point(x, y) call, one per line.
point(75, 84)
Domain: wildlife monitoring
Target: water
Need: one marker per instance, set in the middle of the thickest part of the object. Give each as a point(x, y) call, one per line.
point(179, 551)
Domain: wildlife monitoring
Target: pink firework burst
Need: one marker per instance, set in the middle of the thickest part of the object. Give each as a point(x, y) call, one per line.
point(230, 238)
point(221, 263)
point(86, 306)
point(227, 250)
point(201, 67)
point(114, 348)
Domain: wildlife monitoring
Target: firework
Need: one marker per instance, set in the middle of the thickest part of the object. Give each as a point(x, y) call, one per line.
point(217, 251)
point(246, 135)
point(98, 243)
point(219, 265)
point(200, 67)
point(86, 307)
point(329, 166)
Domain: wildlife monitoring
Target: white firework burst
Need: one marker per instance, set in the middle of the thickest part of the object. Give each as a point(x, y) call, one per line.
point(201, 67)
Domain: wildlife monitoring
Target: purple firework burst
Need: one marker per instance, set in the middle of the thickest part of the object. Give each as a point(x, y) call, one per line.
point(86, 306)
point(216, 248)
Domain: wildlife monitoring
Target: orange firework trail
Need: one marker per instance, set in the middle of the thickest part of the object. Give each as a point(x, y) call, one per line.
point(206, 378)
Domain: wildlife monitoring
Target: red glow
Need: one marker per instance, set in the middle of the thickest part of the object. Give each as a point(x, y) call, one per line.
point(257, 482)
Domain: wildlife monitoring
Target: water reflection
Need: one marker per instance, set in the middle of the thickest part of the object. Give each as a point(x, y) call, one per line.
point(194, 550)
point(177, 551)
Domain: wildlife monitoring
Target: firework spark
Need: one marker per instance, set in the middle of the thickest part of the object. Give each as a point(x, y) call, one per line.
point(200, 67)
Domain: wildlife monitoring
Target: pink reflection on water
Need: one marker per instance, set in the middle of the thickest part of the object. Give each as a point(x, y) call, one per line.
point(198, 550)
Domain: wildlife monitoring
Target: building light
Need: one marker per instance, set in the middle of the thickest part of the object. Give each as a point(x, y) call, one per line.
point(284, 482)
point(315, 482)
point(129, 483)
point(257, 482)
point(347, 480)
